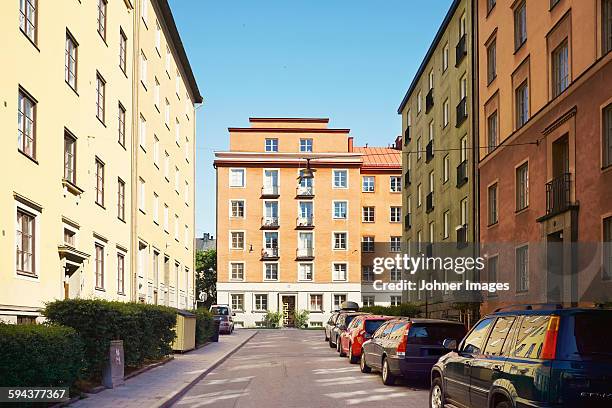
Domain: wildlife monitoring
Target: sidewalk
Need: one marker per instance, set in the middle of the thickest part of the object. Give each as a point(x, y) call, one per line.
point(160, 385)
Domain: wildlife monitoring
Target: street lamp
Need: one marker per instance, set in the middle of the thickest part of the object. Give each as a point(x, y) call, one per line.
point(307, 173)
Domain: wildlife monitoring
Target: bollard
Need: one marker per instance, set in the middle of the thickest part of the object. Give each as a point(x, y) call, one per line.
point(114, 370)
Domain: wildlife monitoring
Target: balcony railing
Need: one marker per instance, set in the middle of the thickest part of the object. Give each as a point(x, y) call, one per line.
point(558, 198)
point(304, 253)
point(429, 202)
point(429, 101)
point(407, 135)
point(269, 253)
point(269, 222)
point(461, 111)
point(305, 222)
point(429, 151)
point(270, 191)
point(462, 173)
point(460, 50)
point(407, 222)
point(304, 191)
point(462, 236)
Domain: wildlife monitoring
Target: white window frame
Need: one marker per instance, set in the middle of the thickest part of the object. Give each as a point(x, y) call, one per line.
point(334, 172)
point(334, 209)
point(232, 169)
point(264, 265)
point(230, 244)
point(231, 209)
point(346, 240)
point(230, 271)
point(346, 271)
point(299, 272)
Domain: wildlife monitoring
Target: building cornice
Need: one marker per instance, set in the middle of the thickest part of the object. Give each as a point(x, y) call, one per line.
point(287, 130)
point(291, 120)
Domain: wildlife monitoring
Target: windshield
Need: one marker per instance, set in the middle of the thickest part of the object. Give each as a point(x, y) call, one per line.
point(592, 332)
point(434, 333)
point(372, 325)
point(349, 319)
point(219, 310)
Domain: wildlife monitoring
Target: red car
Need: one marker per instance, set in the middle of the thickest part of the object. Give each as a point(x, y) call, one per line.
point(360, 330)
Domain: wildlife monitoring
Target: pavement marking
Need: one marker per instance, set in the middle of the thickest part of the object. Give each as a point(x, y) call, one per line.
point(371, 398)
point(322, 371)
point(228, 381)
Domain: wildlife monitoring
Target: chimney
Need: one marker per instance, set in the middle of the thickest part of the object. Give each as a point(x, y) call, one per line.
point(350, 144)
point(398, 143)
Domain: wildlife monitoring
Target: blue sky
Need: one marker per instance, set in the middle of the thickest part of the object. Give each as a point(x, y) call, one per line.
point(351, 61)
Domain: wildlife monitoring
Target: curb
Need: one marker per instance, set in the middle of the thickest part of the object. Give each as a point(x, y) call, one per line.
point(179, 394)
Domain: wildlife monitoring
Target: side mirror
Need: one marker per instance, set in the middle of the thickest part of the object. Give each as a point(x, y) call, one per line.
point(450, 344)
point(367, 336)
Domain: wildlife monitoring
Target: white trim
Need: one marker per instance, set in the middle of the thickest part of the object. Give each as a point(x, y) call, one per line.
point(254, 303)
point(333, 270)
point(229, 271)
point(229, 203)
point(333, 209)
point(36, 239)
point(333, 241)
point(243, 241)
point(312, 271)
point(264, 271)
point(333, 177)
point(229, 178)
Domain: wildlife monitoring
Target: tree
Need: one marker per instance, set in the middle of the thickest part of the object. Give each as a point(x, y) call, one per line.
point(206, 275)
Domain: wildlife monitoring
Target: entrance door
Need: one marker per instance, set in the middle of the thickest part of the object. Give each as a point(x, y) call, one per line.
point(554, 268)
point(288, 303)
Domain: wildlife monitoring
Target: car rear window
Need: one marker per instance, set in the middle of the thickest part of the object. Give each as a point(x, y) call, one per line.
point(592, 332)
point(219, 311)
point(434, 333)
point(349, 319)
point(372, 325)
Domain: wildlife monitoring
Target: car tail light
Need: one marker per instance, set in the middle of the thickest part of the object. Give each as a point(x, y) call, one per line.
point(401, 347)
point(549, 350)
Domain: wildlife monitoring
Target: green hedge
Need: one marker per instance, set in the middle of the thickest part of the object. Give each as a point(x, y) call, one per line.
point(205, 325)
point(404, 309)
point(147, 331)
point(39, 355)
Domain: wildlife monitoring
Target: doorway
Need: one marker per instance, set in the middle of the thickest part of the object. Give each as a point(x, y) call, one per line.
point(288, 304)
point(554, 267)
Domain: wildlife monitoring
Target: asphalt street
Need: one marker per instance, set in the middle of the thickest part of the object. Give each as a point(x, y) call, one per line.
point(296, 368)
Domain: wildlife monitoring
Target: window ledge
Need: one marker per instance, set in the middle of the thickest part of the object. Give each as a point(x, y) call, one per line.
point(28, 156)
point(71, 187)
point(27, 274)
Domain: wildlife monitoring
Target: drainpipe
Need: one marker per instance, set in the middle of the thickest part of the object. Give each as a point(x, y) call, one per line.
point(134, 153)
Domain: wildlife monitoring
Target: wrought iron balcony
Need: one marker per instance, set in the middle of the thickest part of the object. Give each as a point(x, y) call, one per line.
point(460, 50)
point(429, 151)
point(304, 222)
point(269, 253)
point(304, 192)
point(462, 236)
point(407, 222)
point(304, 254)
point(429, 101)
point(558, 198)
point(269, 222)
point(429, 202)
point(270, 192)
point(461, 111)
point(462, 173)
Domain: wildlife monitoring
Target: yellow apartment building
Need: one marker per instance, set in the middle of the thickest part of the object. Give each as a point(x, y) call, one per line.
point(285, 244)
point(70, 198)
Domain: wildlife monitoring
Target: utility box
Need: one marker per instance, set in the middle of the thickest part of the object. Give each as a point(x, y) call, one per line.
point(114, 371)
point(185, 331)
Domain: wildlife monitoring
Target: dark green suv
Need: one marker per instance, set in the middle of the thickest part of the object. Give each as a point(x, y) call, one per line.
point(534, 357)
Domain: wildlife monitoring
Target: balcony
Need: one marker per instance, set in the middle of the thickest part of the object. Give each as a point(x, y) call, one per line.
point(558, 198)
point(270, 192)
point(429, 101)
point(269, 222)
point(407, 135)
point(460, 50)
point(429, 202)
point(407, 222)
point(429, 152)
point(461, 112)
point(304, 223)
point(269, 254)
point(304, 254)
point(304, 192)
point(462, 236)
point(462, 173)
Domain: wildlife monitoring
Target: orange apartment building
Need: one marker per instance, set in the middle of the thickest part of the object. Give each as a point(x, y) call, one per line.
point(288, 244)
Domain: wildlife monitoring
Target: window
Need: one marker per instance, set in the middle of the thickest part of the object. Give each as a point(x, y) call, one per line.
point(177, 179)
point(121, 199)
point(445, 168)
point(167, 114)
point(490, 5)
point(121, 125)
point(69, 158)
point(142, 132)
point(419, 102)
point(340, 241)
point(340, 179)
point(305, 145)
point(237, 178)
point(338, 300)
point(446, 225)
point(141, 194)
point(491, 61)
point(157, 37)
point(395, 244)
point(25, 242)
point(607, 136)
point(446, 113)
point(431, 130)
point(498, 335)
point(521, 96)
point(340, 210)
point(367, 244)
point(463, 205)
point(237, 239)
point(367, 214)
point(100, 97)
point(237, 302)
point(492, 272)
point(419, 195)
point(27, 18)
point(316, 303)
point(177, 83)
point(99, 266)
point(396, 274)
point(560, 68)
point(167, 166)
point(431, 181)
point(144, 6)
point(533, 331)
point(237, 208)
point(492, 139)
point(156, 151)
point(522, 269)
point(156, 93)
point(176, 227)
point(474, 342)
point(395, 184)
point(606, 13)
point(177, 132)
point(445, 52)
point(522, 187)
point(395, 214)
point(70, 63)
point(419, 148)
point(367, 273)
point(492, 202)
point(339, 272)
point(261, 302)
point(26, 115)
point(155, 208)
point(122, 51)
point(431, 80)
point(143, 68)
point(520, 25)
point(237, 271)
point(396, 300)
point(166, 216)
point(69, 237)
point(607, 248)
point(271, 145)
point(305, 271)
point(102, 19)
point(271, 271)
point(99, 182)
point(120, 273)
point(168, 60)
point(367, 184)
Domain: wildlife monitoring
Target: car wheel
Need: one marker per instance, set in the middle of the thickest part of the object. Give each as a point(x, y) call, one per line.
point(436, 395)
point(503, 404)
point(352, 358)
point(387, 377)
point(362, 364)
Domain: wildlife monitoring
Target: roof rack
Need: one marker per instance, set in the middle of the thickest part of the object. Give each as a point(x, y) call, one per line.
point(532, 306)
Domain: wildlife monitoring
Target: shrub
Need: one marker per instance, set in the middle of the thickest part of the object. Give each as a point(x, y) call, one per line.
point(404, 309)
point(272, 319)
point(301, 318)
point(147, 331)
point(205, 325)
point(39, 355)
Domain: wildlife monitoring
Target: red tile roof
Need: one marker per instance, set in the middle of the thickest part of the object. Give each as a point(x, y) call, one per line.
point(380, 157)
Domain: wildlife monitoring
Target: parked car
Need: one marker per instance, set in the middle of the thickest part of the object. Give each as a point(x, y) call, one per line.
point(331, 323)
point(342, 323)
point(408, 347)
point(225, 316)
point(360, 330)
point(542, 357)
